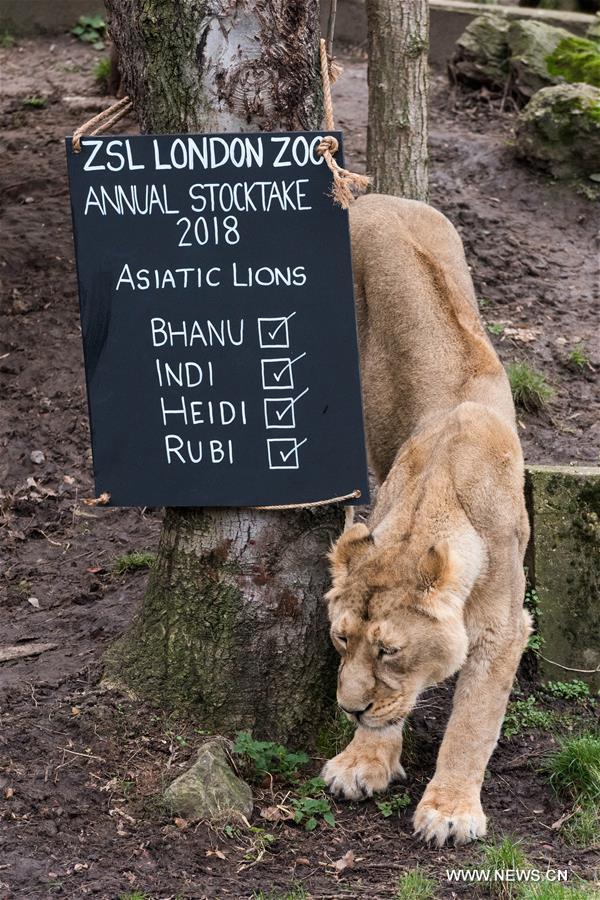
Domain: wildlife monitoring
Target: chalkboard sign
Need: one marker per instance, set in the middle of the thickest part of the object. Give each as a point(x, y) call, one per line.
point(218, 322)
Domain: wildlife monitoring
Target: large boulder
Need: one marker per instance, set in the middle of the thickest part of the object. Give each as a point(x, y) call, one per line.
point(559, 130)
point(481, 55)
point(530, 42)
point(564, 505)
point(210, 790)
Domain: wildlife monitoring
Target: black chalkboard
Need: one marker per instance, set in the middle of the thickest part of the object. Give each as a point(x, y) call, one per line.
point(218, 322)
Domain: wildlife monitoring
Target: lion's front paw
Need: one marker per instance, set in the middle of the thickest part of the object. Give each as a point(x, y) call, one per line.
point(357, 773)
point(443, 814)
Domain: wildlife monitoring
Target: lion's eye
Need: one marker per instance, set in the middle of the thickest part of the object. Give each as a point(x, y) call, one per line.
point(342, 639)
point(386, 651)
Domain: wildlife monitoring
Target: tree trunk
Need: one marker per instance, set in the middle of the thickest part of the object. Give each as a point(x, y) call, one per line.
point(233, 628)
point(397, 132)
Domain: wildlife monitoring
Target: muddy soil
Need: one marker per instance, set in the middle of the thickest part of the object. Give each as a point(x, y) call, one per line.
point(80, 765)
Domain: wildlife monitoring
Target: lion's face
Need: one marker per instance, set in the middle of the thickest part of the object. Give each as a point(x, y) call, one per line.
point(396, 623)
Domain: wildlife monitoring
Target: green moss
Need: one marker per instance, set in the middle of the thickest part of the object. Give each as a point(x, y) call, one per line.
point(576, 59)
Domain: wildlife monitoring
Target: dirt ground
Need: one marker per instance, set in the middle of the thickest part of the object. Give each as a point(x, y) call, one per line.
point(81, 766)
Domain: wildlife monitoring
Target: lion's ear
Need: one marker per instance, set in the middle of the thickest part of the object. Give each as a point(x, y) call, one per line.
point(435, 567)
point(353, 543)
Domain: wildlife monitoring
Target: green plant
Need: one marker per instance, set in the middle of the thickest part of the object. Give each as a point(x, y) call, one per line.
point(308, 810)
point(568, 690)
point(266, 758)
point(508, 854)
point(334, 736)
point(415, 885)
point(128, 562)
point(576, 59)
point(583, 828)
point(483, 303)
point(532, 603)
point(575, 768)
point(102, 73)
point(529, 388)
point(495, 328)
point(7, 41)
point(578, 358)
point(524, 714)
point(35, 102)
point(91, 30)
point(393, 805)
point(137, 895)
point(296, 893)
point(260, 841)
point(552, 890)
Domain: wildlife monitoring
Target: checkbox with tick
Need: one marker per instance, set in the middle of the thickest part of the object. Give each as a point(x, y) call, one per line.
point(277, 374)
point(280, 411)
point(274, 333)
point(283, 452)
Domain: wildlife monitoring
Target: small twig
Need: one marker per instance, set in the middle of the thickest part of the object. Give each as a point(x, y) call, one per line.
point(331, 27)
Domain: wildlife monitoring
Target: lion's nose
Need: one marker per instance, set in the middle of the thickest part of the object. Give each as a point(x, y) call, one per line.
point(356, 712)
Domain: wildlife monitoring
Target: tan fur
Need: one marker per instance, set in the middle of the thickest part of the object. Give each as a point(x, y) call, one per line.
point(434, 583)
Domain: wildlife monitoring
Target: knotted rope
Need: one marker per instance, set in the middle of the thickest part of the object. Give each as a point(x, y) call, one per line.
point(344, 181)
point(102, 122)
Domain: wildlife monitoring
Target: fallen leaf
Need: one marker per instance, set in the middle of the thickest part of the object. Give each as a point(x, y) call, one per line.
point(8, 793)
point(273, 814)
point(34, 602)
point(75, 711)
point(345, 862)
point(68, 479)
point(218, 853)
point(524, 335)
point(302, 861)
point(181, 823)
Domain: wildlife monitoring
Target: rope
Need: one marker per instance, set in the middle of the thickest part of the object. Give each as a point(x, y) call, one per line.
point(102, 122)
point(353, 496)
point(344, 182)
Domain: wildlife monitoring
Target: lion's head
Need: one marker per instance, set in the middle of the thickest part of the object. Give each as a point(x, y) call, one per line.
point(396, 621)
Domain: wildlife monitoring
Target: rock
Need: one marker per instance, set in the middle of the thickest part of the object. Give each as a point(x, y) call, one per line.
point(564, 503)
point(593, 30)
point(210, 789)
point(481, 55)
point(530, 42)
point(37, 457)
point(559, 130)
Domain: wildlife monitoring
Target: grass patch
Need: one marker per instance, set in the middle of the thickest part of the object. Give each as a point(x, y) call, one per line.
point(552, 890)
point(508, 854)
point(102, 73)
point(7, 41)
point(35, 102)
point(295, 893)
point(496, 328)
point(522, 715)
point(529, 388)
point(583, 829)
point(575, 768)
point(578, 358)
point(574, 772)
point(415, 885)
point(334, 736)
point(129, 562)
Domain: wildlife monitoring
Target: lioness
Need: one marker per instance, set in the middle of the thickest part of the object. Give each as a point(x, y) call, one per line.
point(434, 583)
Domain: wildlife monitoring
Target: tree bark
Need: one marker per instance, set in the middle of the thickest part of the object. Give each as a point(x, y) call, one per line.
point(397, 131)
point(233, 628)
